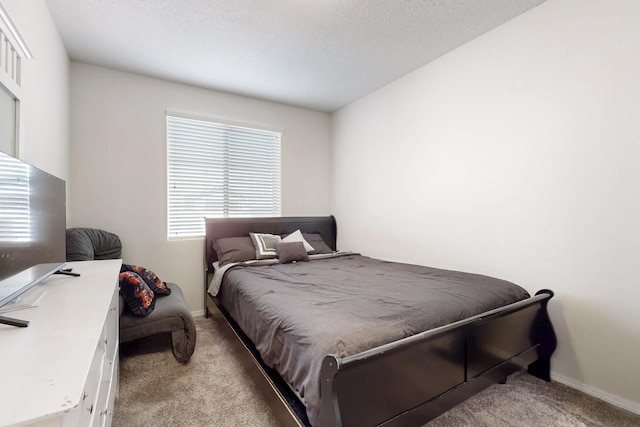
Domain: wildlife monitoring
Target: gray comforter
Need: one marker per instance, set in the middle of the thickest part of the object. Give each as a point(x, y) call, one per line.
point(297, 313)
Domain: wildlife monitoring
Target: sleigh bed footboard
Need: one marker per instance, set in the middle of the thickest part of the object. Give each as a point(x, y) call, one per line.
point(411, 381)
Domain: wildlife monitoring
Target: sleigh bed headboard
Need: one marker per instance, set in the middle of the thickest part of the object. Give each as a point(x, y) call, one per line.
point(216, 228)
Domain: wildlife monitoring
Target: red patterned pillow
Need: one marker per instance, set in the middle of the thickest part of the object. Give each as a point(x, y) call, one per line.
point(136, 293)
point(155, 284)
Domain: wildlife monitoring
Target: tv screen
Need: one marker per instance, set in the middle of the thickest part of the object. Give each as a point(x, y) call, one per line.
point(32, 226)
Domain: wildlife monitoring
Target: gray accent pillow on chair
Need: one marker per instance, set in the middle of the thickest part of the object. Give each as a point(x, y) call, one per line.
point(86, 244)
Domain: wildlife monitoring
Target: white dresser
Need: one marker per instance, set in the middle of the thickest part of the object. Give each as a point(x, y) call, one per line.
point(62, 370)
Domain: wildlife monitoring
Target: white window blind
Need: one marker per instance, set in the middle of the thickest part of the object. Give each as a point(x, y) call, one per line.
point(219, 170)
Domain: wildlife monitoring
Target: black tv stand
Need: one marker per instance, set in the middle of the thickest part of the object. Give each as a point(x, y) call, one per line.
point(14, 322)
point(67, 272)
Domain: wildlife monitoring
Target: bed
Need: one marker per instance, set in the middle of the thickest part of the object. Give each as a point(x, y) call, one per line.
point(431, 339)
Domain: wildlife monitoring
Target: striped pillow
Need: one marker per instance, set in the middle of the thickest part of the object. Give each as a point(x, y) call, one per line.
point(265, 244)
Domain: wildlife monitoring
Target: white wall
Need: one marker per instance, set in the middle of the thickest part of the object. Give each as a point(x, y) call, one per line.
point(44, 97)
point(118, 163)
point(517, 156)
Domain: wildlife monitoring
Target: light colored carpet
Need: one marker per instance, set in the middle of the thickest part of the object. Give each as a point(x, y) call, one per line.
point(213, 389)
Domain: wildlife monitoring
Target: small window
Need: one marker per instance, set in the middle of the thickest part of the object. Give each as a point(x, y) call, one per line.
point(219, 170)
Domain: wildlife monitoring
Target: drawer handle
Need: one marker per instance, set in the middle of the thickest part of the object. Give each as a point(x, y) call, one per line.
point(90, 409)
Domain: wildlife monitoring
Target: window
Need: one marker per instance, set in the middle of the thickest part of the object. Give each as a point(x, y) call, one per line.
point(219, 170)
point(13, 51)
point(8, 122)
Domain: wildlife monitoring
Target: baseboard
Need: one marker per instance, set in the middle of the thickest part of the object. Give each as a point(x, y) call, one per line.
point(596, 392)
point(198, 313)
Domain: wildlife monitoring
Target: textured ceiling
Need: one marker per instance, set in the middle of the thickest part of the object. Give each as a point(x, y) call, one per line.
point(317, 54)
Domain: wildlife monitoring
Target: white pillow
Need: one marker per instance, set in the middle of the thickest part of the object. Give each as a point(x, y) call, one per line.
point(265, 245)
point(296, 236)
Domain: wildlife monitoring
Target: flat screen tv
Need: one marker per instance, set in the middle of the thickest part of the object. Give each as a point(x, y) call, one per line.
point(32, 226)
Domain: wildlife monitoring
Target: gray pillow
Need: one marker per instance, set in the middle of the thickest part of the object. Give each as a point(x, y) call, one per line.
point(291, 251)
point(296, 236)
point(319, 245)
point(86, 244)
point(234, 249)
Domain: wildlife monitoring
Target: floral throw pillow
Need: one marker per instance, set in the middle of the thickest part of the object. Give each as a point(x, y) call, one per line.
point(137, 295)
point(151, 279)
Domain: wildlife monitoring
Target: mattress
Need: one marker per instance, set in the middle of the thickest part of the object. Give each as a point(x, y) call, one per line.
point(295, 314)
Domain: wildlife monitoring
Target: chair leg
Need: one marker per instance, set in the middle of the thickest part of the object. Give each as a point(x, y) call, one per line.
point(184, 341)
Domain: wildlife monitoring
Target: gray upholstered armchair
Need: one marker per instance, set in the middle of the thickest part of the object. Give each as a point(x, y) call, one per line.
point(170, 314)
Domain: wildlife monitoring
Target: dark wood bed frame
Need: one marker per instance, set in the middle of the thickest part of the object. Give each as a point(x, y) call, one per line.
point(407, 382)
